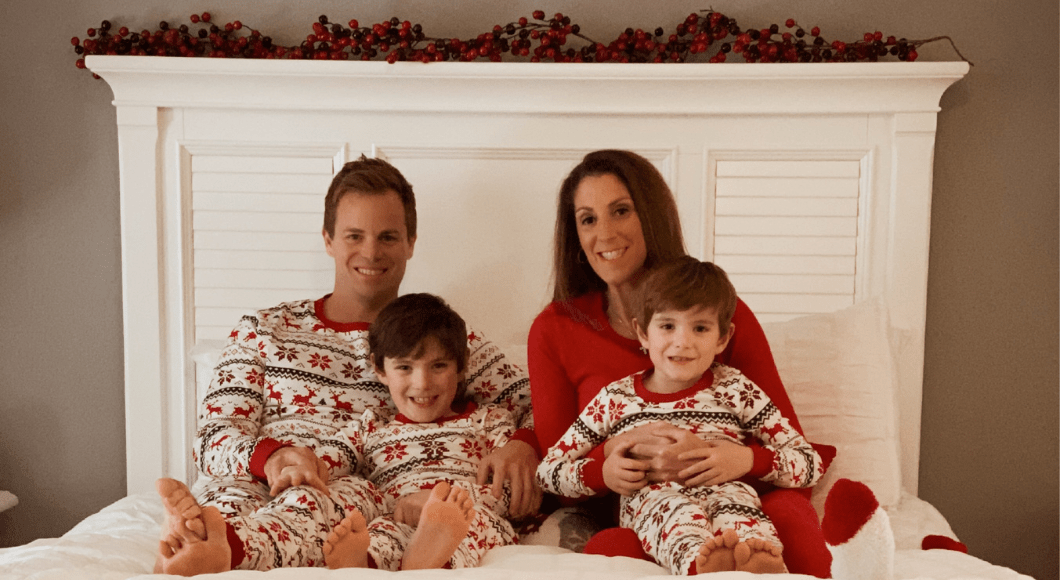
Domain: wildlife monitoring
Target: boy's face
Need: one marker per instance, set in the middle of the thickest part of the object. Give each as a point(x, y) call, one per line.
point(371, 246)
point(422, 387)
point(682, 344)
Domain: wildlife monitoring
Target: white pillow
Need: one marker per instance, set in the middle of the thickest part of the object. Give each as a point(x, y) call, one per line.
point(839, 371)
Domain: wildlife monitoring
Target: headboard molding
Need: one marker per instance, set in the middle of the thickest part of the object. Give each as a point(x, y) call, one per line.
point(486, 145)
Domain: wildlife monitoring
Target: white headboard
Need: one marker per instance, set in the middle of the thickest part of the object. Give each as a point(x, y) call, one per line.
point(809, 183)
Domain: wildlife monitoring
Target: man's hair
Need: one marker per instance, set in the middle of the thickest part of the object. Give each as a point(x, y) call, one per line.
point(403, 327)
point(684, 284)
point(369, 177)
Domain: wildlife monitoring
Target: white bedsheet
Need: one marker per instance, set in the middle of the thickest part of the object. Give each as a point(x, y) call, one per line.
point(120, 541)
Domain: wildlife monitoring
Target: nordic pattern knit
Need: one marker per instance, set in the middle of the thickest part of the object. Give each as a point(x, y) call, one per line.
point(672, 521)
point(288, 376)
point(724, 404)
point(402, 457)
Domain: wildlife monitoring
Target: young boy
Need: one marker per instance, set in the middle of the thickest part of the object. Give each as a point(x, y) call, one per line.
point(683, 313)
point(434, 441)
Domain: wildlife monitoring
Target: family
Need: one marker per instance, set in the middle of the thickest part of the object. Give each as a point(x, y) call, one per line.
point(364, 429)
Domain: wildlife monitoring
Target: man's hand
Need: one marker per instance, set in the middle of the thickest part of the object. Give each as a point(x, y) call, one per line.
point(408, 507)
point(623, 474)
point(290, 466)
point(516, 463)
point(717, 462)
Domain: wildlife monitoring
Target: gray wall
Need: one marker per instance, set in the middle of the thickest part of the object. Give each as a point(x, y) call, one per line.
point(990, 445)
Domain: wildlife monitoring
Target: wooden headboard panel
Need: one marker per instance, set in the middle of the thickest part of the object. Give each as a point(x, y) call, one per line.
point(809, 183)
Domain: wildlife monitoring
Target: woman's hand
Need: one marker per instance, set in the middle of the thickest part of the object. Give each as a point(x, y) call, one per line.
point(623, 474)
point(719, 461)
point(515, 462)
point(291, 466)
point(659, 444)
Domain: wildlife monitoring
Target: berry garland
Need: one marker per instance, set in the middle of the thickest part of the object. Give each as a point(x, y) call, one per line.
point(537, 39)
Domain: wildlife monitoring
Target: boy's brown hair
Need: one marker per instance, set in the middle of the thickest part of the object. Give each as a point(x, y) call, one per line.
point(684, 284)
point(369, 177)
point(402, 328)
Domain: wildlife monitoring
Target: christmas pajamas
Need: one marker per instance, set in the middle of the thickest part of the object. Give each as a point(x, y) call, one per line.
point(671, 522)
point(288, 376)
point(402, 457)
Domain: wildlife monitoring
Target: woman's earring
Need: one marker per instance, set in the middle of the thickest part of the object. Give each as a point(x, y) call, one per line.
point(582, 259)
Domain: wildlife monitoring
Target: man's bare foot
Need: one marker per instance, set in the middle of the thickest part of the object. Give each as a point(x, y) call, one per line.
point(188, 555)
point(347, 545)
point(182, 511)
point(759, 556)
point(443, 524)
point(716, 553)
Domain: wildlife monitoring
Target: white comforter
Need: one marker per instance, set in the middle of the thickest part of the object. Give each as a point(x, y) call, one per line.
point(120, 541)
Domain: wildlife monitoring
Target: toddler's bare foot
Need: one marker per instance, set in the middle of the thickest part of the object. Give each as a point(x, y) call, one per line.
point(188, 554)
point(716, 553)
point(759, 556)
point(443, 524)
point(347, 545)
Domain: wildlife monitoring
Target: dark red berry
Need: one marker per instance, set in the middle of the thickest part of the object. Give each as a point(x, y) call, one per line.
point(815, 31)
point(790, 23)
point(205, 16)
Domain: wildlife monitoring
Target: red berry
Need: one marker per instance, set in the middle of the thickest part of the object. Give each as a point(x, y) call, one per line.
point(523, 21)
point(891, 40)
point(558, 16)
point(539, 14)
point(91, 31)
point(194, 19)
point(877, 35)
point(815, 31)
point(868, 37)
point(790, 23)
point(123, 31)
point(354, 24)
point(80, 63)
point(911, 56)
point(205, 16)
point(237, 25)
point(75, 41)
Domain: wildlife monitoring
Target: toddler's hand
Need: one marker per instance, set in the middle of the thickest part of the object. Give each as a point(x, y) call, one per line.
point(718, 462)
point(623, 474)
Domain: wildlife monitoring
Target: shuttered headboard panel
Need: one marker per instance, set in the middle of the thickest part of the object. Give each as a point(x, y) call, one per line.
point(809, 183)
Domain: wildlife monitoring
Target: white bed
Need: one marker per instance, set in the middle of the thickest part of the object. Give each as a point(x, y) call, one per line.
point(810, 184)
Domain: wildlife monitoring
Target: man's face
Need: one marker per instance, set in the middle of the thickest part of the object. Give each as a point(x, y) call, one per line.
point(370, 247)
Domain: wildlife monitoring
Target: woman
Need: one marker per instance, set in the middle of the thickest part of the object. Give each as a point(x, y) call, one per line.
point(616, 218)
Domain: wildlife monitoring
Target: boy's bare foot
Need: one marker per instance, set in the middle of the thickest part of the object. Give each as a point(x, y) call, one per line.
point(716, 553)
point(188, 554)
point(759, 556)
point(347, 545)
point(443, 524)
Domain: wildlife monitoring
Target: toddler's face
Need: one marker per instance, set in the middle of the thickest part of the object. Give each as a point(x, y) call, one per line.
point(682, 344)
point(422, 387)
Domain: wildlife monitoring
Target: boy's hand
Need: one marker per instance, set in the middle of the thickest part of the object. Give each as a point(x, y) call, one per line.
point(290, 466)
point(660, 443)
point(623, 474)
point(719, 461)
point(515, 462)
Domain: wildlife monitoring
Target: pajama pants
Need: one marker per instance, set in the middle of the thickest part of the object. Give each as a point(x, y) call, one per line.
point(389, 538)
point(672, 521)
point(287, 530)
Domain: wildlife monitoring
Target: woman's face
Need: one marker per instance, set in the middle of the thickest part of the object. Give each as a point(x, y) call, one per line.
point(609, 228)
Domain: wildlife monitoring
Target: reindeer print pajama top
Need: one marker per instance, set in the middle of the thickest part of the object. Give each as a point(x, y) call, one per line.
point(671, 520)
point(289, 376)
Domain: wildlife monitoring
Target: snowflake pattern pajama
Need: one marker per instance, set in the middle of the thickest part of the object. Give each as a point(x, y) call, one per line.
point(402, 457)
point(672, 521)
point(289, 376)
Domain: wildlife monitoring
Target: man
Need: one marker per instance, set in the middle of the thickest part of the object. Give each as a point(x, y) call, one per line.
point(278, 472)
